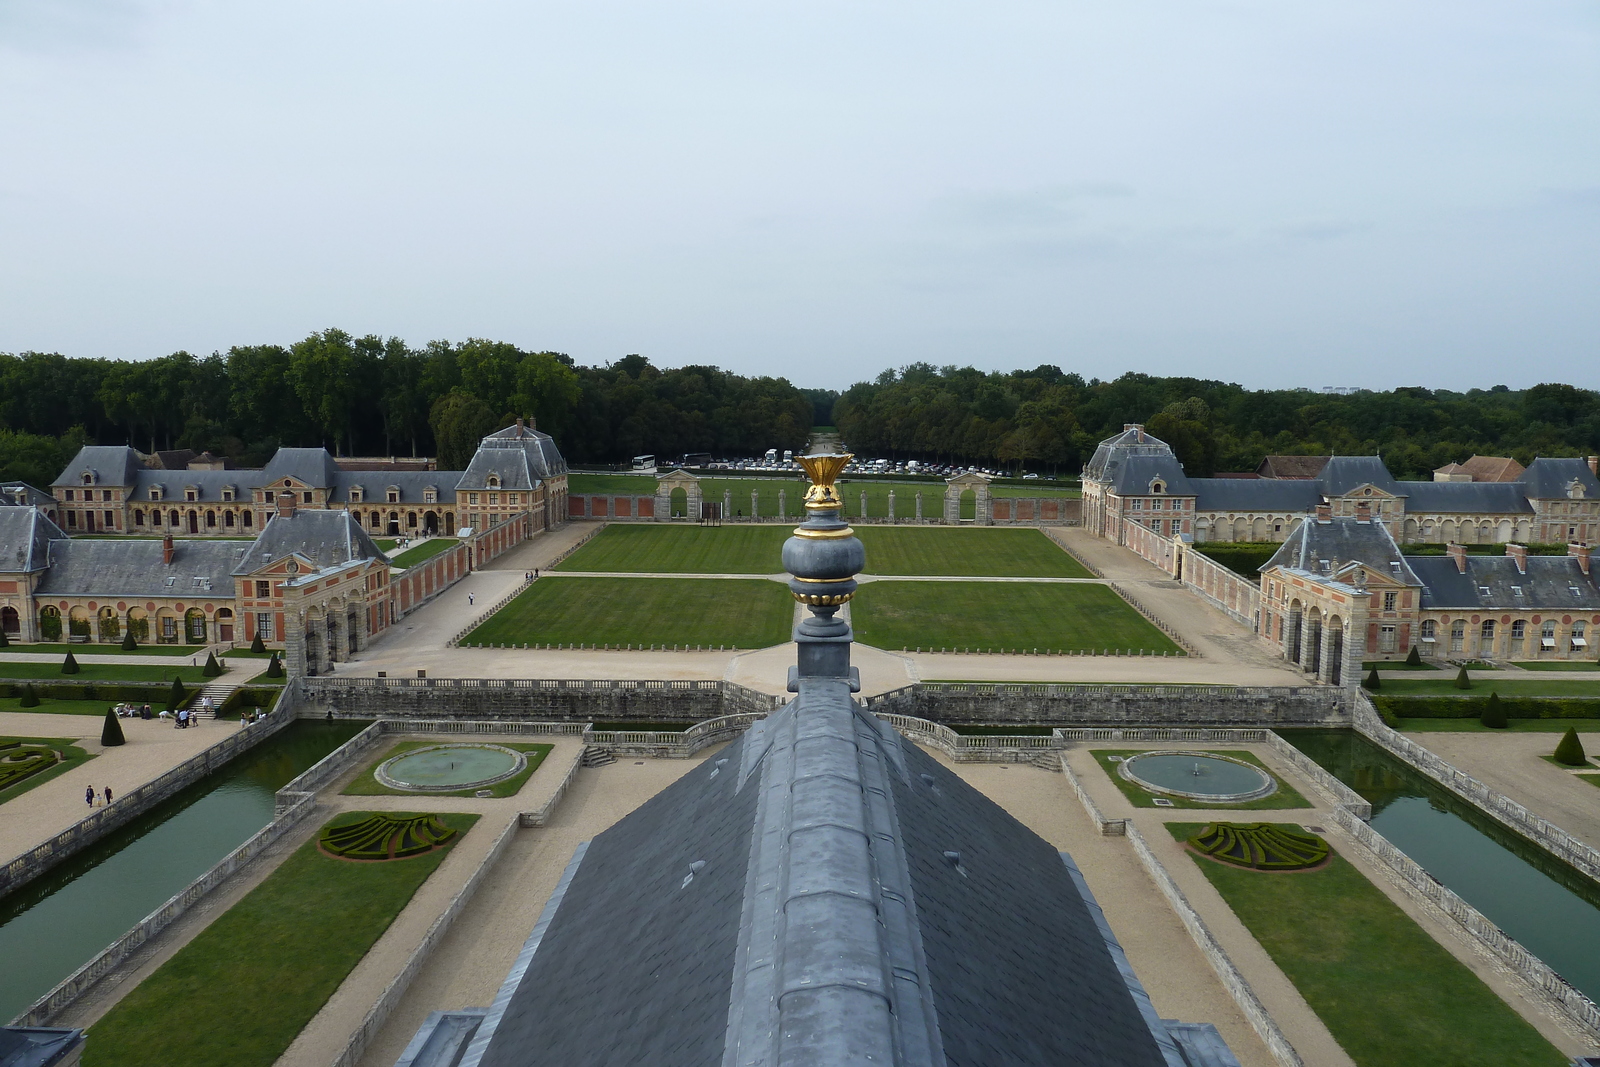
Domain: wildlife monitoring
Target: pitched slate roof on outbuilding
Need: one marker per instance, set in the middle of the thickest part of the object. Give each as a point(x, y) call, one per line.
point(134, 568)
point(1547, 479)
point(21, 493)
point(1493, 469)
point(1340, 542)
point(312, 466)
point(1255, 494)
point(1493, 581)
point(1134, 476)
point(1467, 498)
point(1344, 473)
point(1292, 467)
point(327, 538)
point(375, 485)
point(208, 485)
point(25, 539)
point(110, 465)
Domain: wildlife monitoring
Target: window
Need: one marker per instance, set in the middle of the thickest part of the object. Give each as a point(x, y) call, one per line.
point(110, 517)
point(1547, 635)
point(171, 580)
point(1516, 590)
point(1386, 641)
point(494, 500)
point(1483, 590)
point(393, 495)
point(493, 482)
point(1138, 505)
point(1155, 505)
point(1519, 631)
point(355, 494)
point(72, 520)
point(1458, 635)
point(264, 625)
point(263, 590)
point(305, 497)
point(1389, 601)
point(430, 496)
point(1579, 643)
point(1486, 633)
point(191, 494)
point(472, 498)
point(105, 494)
point(248, 519)
point(169, 627)
point(69, 494)
point(227, 492)
point(155, 492)
point(138, 518)
point(1575, 590)
point(88, 479)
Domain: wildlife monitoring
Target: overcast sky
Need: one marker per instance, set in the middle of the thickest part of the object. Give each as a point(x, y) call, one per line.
point(1285, 193)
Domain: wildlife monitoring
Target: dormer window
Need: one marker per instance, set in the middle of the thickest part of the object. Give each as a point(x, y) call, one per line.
point(88, 477)
point(1483, 590)
point(191, 493)
point(1575, 590)
point(356, 494)
point(494, 481)
point(430, 495)
point(1575, 491)
point(156, 492)
point(227, 492)
point(1158, 487)
point(1516, 590)
point(392, 494)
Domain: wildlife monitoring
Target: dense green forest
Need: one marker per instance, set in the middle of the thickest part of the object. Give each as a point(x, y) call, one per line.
point(376, 396)
point(1046, 419)
point(372, 396)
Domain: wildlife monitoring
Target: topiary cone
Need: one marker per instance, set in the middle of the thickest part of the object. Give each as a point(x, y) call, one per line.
point(175, 697)
point(128, 643)
point(258, 646)
point(5, 642)
point(1494, 716)
point(111, 732)
point(274, 668)
point(1462, 681)
point(212, 667)
point(1372, 680)
point(69, 665)
point(30, 697)
point(1570, 750)
point(1415, 657)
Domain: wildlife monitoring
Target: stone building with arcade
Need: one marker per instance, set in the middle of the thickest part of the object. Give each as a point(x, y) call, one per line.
point(516, 474)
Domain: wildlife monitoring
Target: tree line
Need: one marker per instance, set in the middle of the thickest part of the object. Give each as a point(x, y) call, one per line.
point(380, 396)
point(1048, 419)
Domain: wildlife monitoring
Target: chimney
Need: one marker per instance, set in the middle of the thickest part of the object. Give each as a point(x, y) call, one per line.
point(1594, 465)
point(1580, 552)
point(286, 502)
point(1324, 512)
point(533, 423)
point(166, 552)
point(519, 427)
point(1519, 555)
point(1363, 511)
point(1459, 554)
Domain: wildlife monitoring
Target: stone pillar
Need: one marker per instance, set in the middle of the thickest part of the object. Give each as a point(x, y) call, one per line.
point(294, 644)
point(782, 501)
point(755, 504)
point(863, 505)
point(919, 506)
point(980, 506)
point(891, 505)
point(663, 504)
point(1355, 646)
point(338, 624)
point(727, 505)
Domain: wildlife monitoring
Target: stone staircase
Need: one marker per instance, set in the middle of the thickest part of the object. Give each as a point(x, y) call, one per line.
point(219, 692)
point(595, 756)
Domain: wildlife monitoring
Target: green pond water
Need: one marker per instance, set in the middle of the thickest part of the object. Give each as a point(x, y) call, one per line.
point(1552, 909)
point(58, 922)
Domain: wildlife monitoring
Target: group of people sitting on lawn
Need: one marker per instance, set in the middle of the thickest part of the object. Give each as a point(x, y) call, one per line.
point(183, 717)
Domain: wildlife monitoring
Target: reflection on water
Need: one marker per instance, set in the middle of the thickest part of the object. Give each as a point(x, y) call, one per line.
point(57, 923)
point(1553, 910)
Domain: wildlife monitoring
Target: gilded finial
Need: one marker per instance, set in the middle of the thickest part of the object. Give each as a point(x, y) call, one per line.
point(822, 496)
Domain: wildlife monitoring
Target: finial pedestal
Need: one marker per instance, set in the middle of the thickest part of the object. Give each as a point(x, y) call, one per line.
point(823, 558)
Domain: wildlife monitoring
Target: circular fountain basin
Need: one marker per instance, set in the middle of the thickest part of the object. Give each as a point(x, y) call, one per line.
point(449, 768)
point(1198, 776)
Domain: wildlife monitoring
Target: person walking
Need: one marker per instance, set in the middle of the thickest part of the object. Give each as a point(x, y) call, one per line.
point(88, 795)
point(108, 796)
point(472, 598)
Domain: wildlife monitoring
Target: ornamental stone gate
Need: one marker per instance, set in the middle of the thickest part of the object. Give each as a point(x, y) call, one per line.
point(678, 479)
point(955, 487)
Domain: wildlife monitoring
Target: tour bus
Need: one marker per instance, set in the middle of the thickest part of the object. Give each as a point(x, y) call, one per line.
point(788, 455)
point(644, 463)
point(697, 459)
point(772, 455)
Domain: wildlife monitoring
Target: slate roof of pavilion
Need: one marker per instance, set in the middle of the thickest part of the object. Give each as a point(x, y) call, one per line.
point(1494, 581)
point(1255, 494)
point(110, 465)
point(1344, 473)
point(662, 945)
point(134, 568)
point(327, 538)
point(312, 466)
point(1550, 478)
point(519, 456)
point(25, 539)
point(1341, 542)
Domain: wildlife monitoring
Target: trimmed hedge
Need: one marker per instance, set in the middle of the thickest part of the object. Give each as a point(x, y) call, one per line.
point(1472, 708)
point(248, 698)
point(1244, 560)
point(24, 761)
point(1264, 846)
point(383, 836)
point(107, 691)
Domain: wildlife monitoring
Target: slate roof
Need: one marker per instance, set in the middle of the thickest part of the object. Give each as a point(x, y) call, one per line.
point(37, 1046)
point(111, 464)
point(1293, 467)
point(1489, 498)
point(327, 538)
point(1344, 473)
point(1133, 475)
point(1114, 451)
point(1342, 542)
point(208, 485)
point(822, 893)
point(1546, 479)
point(21, 493)
point(1547, 584)
point(133, 568)
point(25, 538)
point(1255, 494)
point(313, 466)
point(375, 485)
point(521, 457)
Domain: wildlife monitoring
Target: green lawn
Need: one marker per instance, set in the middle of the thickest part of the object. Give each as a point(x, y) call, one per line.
point(1473, 726)
point(67, 746)
point(1396, 665)
point(111, 648)
point(983, 552)
point(239, 993)
point(1445, 686)
point(102, 672)
point(262, 679)
point(60, 707)
point(366, 783)
point(682, 550)
point(385, 544)
point(1389, 993)
point(427, 550)
point(1014, 616)
point(619, 484)
point(972, 551)
point(1285, 797)
point(731, 612)
point(1560, 665)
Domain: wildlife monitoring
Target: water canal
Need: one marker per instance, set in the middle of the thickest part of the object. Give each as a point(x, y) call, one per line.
point(58, 922)
point(1552, 909)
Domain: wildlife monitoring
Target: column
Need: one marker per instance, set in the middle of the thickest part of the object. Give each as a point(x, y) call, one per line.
point(782, 502)
point(294, 644)
point(727, 505)
point(919, 506)
point(336, 614)
point(755, 504)
point(891, 505)
point(863, 505)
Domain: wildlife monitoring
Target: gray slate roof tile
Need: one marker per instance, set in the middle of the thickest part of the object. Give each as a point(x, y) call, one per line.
point(1548, 584)
point(133, 568)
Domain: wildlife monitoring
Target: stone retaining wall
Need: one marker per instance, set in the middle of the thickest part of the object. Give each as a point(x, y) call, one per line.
point(86, 831)
point(1234, 595)
point(525, 699)
point(1109, 705)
